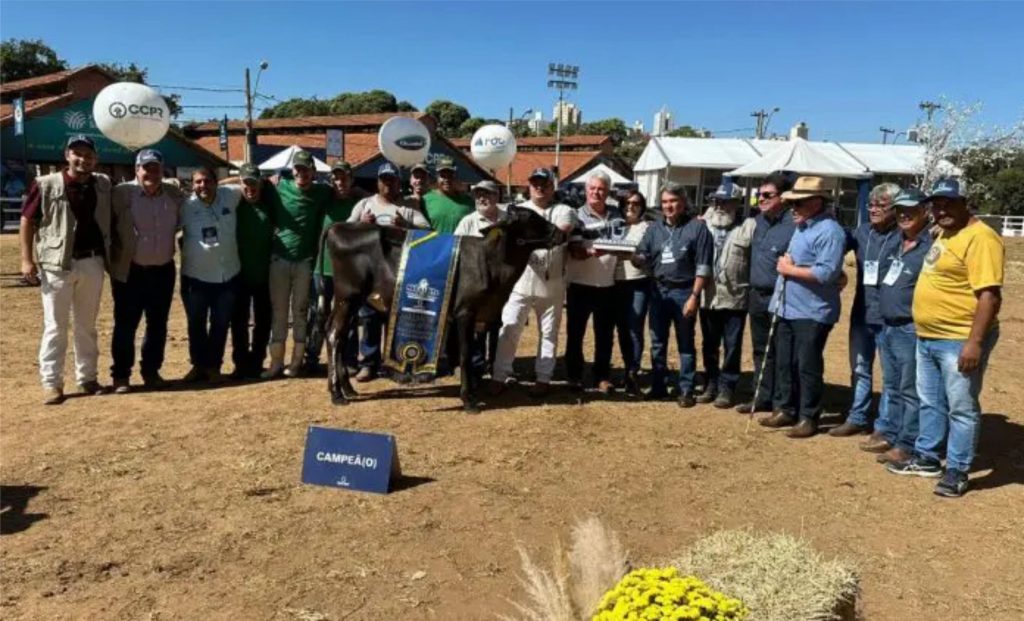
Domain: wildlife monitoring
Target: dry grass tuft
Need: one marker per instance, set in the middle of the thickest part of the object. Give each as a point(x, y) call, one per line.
point(598, 562)
point(547, 593)
point(778, 577)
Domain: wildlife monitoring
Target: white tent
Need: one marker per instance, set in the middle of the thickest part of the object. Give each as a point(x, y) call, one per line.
point(283, 160)
point(614, 176)
point(824, 159)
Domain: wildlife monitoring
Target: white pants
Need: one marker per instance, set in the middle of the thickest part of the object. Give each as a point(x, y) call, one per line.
point(289, 287)
point(513, 319)
point(72, 294)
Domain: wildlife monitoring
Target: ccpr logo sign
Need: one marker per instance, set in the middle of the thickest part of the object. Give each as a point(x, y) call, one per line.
point(411, 142)
point(119, 110)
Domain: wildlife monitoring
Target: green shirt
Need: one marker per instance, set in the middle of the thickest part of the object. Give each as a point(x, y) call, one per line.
point(338, 211)
point(255, 231)
point(298, 217)
point(446, 212)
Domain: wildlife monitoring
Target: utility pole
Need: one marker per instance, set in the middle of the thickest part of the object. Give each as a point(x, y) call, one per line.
point(763, 118)
point(247, 152)
point(564, 78)
point(929, 108)
point(885, 134)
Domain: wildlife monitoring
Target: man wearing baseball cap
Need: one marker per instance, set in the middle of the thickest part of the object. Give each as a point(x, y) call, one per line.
point(445, 206)
point(540, 289)
point(956, 305)
point(385, 208)
point(420, 183)
point(806, 301)
point(65, 238)
point(144, 225)
point(724, 308)
point(298, 221)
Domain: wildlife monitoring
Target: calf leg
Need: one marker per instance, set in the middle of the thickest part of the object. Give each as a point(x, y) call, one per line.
point(465, 324)
point(337, 343)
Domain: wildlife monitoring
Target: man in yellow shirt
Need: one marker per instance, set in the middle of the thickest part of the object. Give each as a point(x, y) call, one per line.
point(956, 301)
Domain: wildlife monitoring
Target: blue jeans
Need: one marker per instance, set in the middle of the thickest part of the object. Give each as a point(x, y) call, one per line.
point(630, 318)
point(865, 340)
point(372, 324)
point(722, 329)
point(667, 311)
point(949, 401)
point(899, 384)
point(208, 309)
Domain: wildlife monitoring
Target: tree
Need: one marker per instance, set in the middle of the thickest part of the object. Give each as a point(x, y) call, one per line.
point(684, 131)
point(368, 102)
point(134, 73)
point(616, 128)
point(405, 106)
point(470, 125)
point(449, 115)
point(27, 58)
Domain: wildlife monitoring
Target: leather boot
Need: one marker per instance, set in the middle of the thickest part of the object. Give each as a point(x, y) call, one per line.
point(848, 429)
point(876, 443)
point(276, 361)
point(778, 420)
point(298, 353)
point(806, 428)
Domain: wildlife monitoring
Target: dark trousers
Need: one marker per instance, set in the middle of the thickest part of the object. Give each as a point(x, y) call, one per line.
point(372, 323)
point(764, 354)
point(251, 300)
point(582, 301)
point(667, 311)
point(148, 291)
point(722, 329)
point(485, 344)
point(318, 320)
point(630, 316)
point(800, 367)
point(208, 308)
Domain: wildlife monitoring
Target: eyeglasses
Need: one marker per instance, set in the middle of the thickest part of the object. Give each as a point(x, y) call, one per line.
point(635, 203)
point(767, 196)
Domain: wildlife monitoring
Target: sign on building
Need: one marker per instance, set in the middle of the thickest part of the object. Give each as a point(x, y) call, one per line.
point(336, 143)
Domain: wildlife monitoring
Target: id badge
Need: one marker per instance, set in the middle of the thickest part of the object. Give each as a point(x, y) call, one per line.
point(667, 256)
point(871, 273)
point(893, 274)
point(210, 238)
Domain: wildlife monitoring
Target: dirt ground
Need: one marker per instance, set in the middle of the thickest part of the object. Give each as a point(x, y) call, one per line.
point(187, 504)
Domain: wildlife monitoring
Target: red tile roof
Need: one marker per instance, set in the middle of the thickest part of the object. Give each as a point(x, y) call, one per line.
point(311, 122)
point(358, 147)
point(28, 84)
point(570, 163)
point(33, 106)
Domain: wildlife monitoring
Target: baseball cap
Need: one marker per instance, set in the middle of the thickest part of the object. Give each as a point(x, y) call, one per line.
point(486, 186)
point(946, 188)
point(302, 158)
point(910, 197)
point(444, 163)
point(387, 168)
point(728, 192)
point(420, 166)
point(148, 156)
point(247, 172)
point(341, 165)
point(541, 173)
point(74, 139)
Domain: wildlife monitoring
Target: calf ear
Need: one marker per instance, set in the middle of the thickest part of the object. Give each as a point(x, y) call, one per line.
point(492, 232)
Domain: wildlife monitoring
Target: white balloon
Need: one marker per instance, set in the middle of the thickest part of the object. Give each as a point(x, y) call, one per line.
point(404, 141)
point(132, 115)
point(493, 146)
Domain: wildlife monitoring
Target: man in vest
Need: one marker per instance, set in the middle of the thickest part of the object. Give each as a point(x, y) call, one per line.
point(65, 237)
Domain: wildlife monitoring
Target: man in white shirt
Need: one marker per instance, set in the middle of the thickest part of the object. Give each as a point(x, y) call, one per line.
point(541, 288)
point(591, 275)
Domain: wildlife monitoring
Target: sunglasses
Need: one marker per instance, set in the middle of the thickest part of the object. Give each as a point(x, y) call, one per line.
point(767, 196)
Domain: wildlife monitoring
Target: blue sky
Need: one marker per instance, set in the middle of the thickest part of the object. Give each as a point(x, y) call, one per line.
point(844, 68)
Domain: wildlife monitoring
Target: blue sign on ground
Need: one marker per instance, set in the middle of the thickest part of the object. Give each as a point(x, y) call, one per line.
point(356, 460)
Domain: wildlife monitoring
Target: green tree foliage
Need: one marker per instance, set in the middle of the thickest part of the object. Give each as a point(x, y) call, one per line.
point(405, 106)
point(134, 73)
point(450, 117)
point(684, 131)
point(368, 102)
point(996, 181)
point(27, 58)
point(616, 128)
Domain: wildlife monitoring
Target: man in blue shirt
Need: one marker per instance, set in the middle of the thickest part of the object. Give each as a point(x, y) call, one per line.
point(900, 268)
point(772, 233)
point(209, 271)
point(807, 301)
point(678, 251)
point(870, 242)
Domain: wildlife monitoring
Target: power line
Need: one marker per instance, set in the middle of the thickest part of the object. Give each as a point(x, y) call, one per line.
point(207, 89)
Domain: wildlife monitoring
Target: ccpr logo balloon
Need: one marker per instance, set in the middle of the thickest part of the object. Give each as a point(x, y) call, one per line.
point(132, 115)
point(493, 146)
point(404, 141)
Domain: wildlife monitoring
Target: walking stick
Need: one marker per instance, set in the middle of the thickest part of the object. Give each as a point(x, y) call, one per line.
point(767, 350)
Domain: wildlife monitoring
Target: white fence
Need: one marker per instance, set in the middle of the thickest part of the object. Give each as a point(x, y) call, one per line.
point(1012, 226)
point(10, 214)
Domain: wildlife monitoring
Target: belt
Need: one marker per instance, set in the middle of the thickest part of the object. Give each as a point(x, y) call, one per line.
point(88, 254)
point(895, 323)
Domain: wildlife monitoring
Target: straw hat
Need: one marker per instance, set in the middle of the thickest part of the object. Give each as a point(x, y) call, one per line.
point(807, 187)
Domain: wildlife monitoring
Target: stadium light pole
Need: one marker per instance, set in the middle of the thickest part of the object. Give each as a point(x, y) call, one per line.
point(562, 78)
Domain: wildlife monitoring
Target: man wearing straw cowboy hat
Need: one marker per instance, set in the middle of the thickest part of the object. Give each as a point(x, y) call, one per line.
point(806, 303)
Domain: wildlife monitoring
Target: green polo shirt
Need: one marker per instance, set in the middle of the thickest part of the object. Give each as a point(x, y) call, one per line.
point(338, 211)
point(299, 217)
point(446, 212)
point(255, 226)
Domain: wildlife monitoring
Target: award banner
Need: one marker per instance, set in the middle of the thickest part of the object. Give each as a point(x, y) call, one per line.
point(416, 328)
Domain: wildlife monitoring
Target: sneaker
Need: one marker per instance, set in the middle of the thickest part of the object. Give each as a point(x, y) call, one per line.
point(53, 396)
point(122, 386)
point(686, 400)
point(366, 374)
point(92, 387)
point(632, 385)
point(153, 382)
point(916, 467)
point(708, 396)
point(953, 484)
